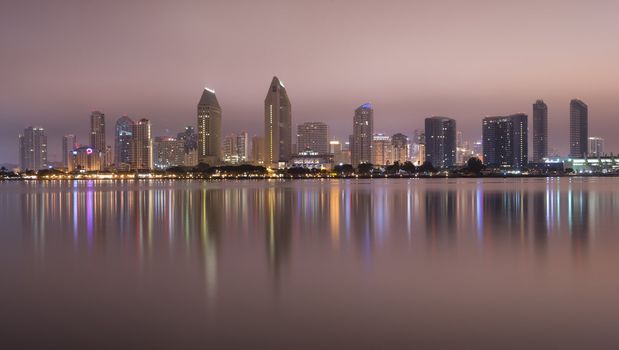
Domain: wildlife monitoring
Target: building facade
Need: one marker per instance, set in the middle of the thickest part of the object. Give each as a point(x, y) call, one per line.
point(69, 143)
point(277, 124)
point(209, 128)
point(97, 133)
point(400, 148)
point(382, 149)
point(540, 131)
point(85, 159)
point(579, 129)
point(122, 141)
point(313, 136)
point(33, 149)
point(505, 141)
point(363, 131)
point(596, 146)
point(440, 141)
point(257, 150)
point(142, 146)
point(168, 152)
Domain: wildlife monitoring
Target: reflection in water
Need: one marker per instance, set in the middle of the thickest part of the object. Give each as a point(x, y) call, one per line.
point(197, 217)
point(379, 259)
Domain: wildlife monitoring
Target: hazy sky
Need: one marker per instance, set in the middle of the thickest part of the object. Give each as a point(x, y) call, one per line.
point(59, 60)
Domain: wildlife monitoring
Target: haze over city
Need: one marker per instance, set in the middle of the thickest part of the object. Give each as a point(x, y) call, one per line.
point(411, 59)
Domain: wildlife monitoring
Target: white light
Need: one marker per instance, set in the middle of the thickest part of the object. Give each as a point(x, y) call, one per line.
point(209, 90)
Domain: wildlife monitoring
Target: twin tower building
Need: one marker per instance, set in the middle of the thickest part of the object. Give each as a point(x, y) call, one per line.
point(277, 126)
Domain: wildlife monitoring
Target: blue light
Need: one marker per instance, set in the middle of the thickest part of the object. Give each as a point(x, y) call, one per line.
point(367, 105)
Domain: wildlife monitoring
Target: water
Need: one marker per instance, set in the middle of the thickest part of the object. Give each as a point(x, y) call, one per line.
point(428, 264)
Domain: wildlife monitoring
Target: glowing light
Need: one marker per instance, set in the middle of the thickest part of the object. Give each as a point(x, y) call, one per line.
point(209, 90)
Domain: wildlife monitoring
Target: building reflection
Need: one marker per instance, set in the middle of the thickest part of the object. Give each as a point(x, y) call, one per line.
point(441, 214)
point(206, 224)
point(277, 204)
point(578, 222)
point(505, 217)
point(540, 214)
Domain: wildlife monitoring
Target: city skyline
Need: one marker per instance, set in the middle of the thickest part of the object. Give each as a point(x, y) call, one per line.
point(408, 74)
point(209, 134)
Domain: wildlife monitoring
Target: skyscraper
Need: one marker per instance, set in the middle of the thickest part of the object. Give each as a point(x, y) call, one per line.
point(596, 146)
point(189, 137)
point(505, 141)
point(400, 147)
point(168, 152)
point(540, 131)
point(257, 150)
point(363, 131)
point(313, 136)
point(142, 146)
point(97, 131)
point(440, 145)
point(242, 146)
point(382, 149)
point(122, 140)
point(277, 124)
point(579, 128)
point(33, 149)
point(209, 128)
point(69, 143)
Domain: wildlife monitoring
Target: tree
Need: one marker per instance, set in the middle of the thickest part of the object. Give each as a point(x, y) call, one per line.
point(203, 168)
point(409, 167)
point(297, 171)
point(427, 167)
point(365, 168)
point(393, 168)
point(474, 165)
point(344, 169)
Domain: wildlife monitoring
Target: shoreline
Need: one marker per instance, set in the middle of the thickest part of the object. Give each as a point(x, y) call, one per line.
point(362, 177)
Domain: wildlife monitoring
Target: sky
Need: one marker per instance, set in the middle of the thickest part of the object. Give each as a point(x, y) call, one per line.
point(60, 60)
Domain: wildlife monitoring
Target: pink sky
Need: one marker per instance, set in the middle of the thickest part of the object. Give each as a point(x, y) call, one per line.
point(464, 59)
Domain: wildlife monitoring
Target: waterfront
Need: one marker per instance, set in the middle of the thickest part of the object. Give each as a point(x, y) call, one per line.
point(383, 263)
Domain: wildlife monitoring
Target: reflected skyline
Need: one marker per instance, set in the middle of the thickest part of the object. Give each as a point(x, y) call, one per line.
point(301, 264)
point(200, 218)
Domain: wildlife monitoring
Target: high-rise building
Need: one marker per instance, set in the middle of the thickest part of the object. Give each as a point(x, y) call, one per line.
point(257, 150)
point(363, 131)
point(242, 146)
point(277, 124)
point(335, 147)
point(142, 146)
point(313, 136)
point(85, 158)
point(440, 141)
point(97, 131)
point(236, 148)
point(540, 131)
point(382, 149)
point(400, 145)
point(190, 157)
point(122, 141)
point(505, 141)
point(168, 152)
point(579, 128)
point(209, 128)
point(69, 143)
point(596, 146)
point(33, 149)
point(189, 137)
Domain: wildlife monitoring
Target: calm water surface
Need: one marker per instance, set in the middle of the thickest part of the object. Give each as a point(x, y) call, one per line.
point(427, 264)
